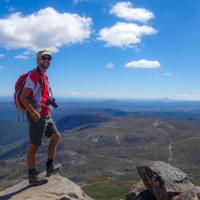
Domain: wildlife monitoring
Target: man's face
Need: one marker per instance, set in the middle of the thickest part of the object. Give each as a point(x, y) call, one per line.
point(44, 61)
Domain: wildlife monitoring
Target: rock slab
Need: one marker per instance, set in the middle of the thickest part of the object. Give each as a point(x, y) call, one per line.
point(161, 181)
point(57, 188)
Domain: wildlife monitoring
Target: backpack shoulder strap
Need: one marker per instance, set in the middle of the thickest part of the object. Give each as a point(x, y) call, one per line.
point(39, 73)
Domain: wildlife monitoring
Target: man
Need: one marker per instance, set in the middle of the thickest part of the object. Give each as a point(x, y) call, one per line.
point(35, 96)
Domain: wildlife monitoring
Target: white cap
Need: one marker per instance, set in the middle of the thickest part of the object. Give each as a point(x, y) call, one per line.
point(43, 52)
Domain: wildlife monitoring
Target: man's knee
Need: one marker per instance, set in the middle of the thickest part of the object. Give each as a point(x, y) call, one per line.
point(56, 137)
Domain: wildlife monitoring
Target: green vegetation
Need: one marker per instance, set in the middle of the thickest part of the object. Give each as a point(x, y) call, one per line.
point(109, 186)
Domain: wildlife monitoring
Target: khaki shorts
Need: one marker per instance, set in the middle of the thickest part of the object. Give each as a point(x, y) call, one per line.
point(37, 130)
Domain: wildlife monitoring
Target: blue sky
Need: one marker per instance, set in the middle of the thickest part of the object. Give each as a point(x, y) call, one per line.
point(137, 49)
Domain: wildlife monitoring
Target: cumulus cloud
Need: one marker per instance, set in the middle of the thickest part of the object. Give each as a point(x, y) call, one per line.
point(109, 65)
point(45, 29)
point(126, 11)
point(1, 55)
point(124, 34)
point(143, 64)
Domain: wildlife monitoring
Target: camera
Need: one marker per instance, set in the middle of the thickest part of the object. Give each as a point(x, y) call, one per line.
point(52, 102)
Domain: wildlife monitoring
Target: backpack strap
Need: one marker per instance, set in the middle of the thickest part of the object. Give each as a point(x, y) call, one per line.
point(40, 74)
point(42, 80)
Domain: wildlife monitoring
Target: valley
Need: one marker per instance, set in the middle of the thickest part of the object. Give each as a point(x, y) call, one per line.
point(101, 147)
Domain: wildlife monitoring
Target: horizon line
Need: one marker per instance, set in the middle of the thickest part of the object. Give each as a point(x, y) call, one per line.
point(10, 98)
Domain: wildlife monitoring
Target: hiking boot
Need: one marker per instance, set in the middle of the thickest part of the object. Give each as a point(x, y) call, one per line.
point(52, 168)
point(35, 180)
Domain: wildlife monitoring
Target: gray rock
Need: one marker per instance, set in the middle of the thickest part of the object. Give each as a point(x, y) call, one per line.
point(189, 195)
point(57, 188)
point(139, 192)
point(138, 188)
point(198, 188)
point(163, 180)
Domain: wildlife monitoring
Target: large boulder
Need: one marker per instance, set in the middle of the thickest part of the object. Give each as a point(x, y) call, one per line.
point(58, 187)
point(164, 180)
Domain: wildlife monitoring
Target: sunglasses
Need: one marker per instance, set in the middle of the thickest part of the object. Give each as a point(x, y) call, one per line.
point(48, 58)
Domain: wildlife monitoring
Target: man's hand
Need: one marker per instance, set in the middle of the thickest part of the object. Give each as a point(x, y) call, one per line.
point(36, 116)
point(25, 100)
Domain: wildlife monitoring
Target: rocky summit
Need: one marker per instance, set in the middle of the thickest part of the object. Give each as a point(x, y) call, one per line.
point(57, 188)
point(161, 181)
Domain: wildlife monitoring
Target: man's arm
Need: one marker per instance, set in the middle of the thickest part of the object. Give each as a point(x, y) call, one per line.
point(25, 100)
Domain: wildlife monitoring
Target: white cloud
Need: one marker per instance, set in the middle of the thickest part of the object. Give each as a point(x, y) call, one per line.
point(188, 96)
point(167, 74)
point(22, 57)
point(1, 55)
point(143, 64)
point(127, 11)
point(26, 53)
point(109, 65)
point(45, 29)
point(124, 34)
point(74, 93)
point(75, 2)
point(12, 9)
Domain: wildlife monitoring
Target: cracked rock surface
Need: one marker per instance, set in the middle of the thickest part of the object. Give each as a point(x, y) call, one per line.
point(57, 188)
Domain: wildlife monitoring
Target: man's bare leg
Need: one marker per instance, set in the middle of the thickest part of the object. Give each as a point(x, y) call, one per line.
point(50, 167)
point(31, 162)
point(52, 146)
point(31, 158)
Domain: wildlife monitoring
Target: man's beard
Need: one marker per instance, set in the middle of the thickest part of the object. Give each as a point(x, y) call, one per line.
point(45, 66)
